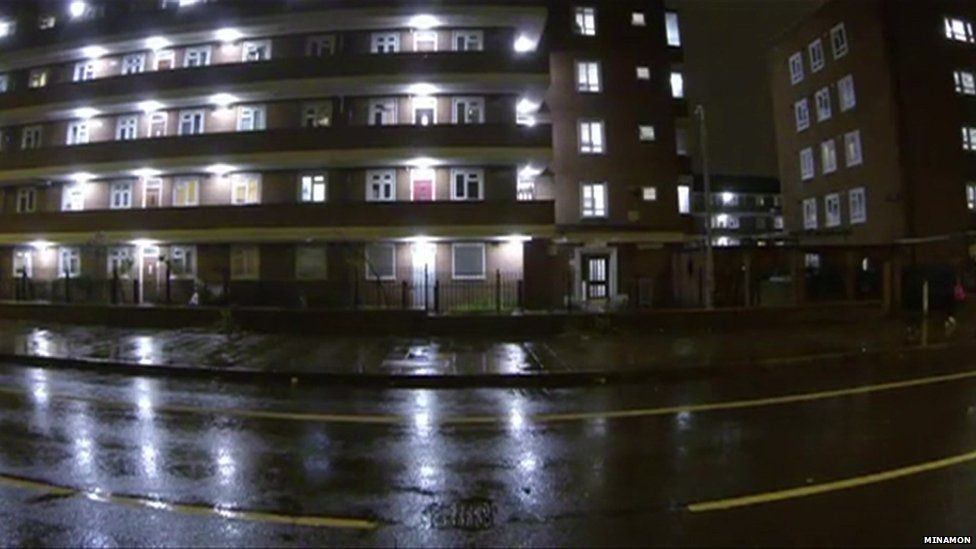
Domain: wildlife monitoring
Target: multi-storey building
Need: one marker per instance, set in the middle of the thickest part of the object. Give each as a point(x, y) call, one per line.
point(875, 110)
point(745, 210)
point(340, 152)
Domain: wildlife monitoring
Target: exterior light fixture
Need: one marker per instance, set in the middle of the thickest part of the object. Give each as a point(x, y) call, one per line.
point(220, 169)
point(93, 52)
point(77, 8)
point(143, 242)
point(223, 100)
point(81, 177)
point(421, 89)
point(422, 163)
point(5, 28)
point(523, 44)
point(41, 245)
point(228, 36)
point(149, 106)
point(524, 106)
point(157, 43)
point(517, 239)
point(146, 172)
point(423, 22)
point(86, 112)
point(727, 198)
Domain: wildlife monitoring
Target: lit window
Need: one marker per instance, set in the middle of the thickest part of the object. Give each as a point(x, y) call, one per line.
point(823, 104)
point(588, 76)
point(425, 40)
point(250, 118)
point(643, 73)
point(245, 189)
point(815, 49)
point(969, 139)
point(314, 187)
point(382, 111)
point(73, 197)
point(467, 184)
point(380, 259)
point(30, 137)
point(828, 156)
point(186, 192)
point(859, 205)
point(121, 195)
point(77, 133)
point(796, 68)
point(183, 261)
point(591, 137)
point(468, 40)
point(971, 196)
point(134, 63)
point(801, 110)
point(380, 185)
point(157, 124)
point(468, 110)
point(810, 213)
point(726, 199)
point(959, 29)
point(317, 115)
point(672, 28)
point(311, 263)
point(255, 50)
point(244, 262)
point(525, 185)
point(852, 148)
point(385, 42)
point(424, 110)
point(198, 56)
point(191, 122)
point(725, 221)
point(468, 261)
point(832, 209)
point(593, 200)
point(84, 70)
point(37, 78)
point(845, 90)
point(677, 85)
point(646, 133)
point(778, 222)
point(26, 200)
point(164, 60)
point(584, 21)
point(965, 82)
point(120, 261)
point(807, 169)
point(127, 127)
point(649, 194)
point(320, 46)
point(152, 192)
point(811, 261)
point(684, 199)
point(78, 9)
point(45, 22)
point(4, 83)
point(637, 19)
point(838, 40)
point(69, 262)
point(6, 28)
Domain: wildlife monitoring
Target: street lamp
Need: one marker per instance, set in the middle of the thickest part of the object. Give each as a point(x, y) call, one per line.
point(709, 259)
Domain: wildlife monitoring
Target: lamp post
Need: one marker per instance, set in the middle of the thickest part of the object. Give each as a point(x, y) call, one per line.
point(709, 258)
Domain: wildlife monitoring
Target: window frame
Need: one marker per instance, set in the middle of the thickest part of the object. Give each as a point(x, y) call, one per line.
point(257, 118)
point(256, 45)
point(467, 35)
point(590, 145)
point(321, 272)
point(243, 180)
point(672, 33)
point(643, 73)
point(184, 181)
point(801, 114)
point(178, 257)
point(190, 113)
point(26, 200)
point(646, 137)
point(123, 190)
point(807, 161)
point(36, 132)
point(378, 39)
point(832, 219)
point(168, 55)
point(810, 221)
point(816, 54)
point(677, 84)
point(140, 64)
point(307, 183)
point(588, 70)
point(469, 99)
point(73, 261)
point(114, 258)
point(858, 216)
point(384, 102)
point(478, 246)
point(24, 256)
point(826, 146)
point(585, 20)
point(427, 35)
point(314, 45)
point(822, 101)
point(77, 133)
point(965, 82)
point(152, 119)
point(316, 110)
point(124, 123)
point(72, 197)
point(479, 178)
point(846, 94)
point(594, 211)
point(842, 46)
point(367, 261)
point(795, 65)
point(853, 138)
point(83, 71)
point(247, 263)
point(204, 52)
point(392, 184)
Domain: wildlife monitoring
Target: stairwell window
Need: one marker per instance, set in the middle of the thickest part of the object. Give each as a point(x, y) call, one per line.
point(828, 156)
point(84, 70)
point(852, 148)
point(823, 104)
point(467, 184)
point(127, 127)
point(314, 187)
point(815, 50)
point(121, 195)
point(965, 82)
point(192, 122)
point(198, 56)
point(134, 63)
point(468, 40)
point(69, 262)
point(845, 90)
point(255, 50)
point(807, 170)
point(26, 200)
point(838, 40)
point(250, 118)
point(810, 213)
point(591, 137)
point(245, 262)
point(77, 133)
point(584, 21)
point(593, 200)
point(858, 205)
point(832, 210)
point(30, 137)
point(245, 189)
point(801, 110)
point(320, 46)
point(468, 261)
point(588, 76)
point(796, 68)
point(385, 42)
point(959, 30)
point(969, 138)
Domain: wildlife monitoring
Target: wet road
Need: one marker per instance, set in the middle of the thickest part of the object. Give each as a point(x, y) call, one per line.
point(882, 455)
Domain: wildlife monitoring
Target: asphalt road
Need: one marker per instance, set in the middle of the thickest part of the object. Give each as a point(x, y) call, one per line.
point(798, 456)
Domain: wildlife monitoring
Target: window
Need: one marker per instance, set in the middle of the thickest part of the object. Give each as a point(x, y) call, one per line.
point(380, 185)
point(807, 169)
point(120, 260)
point(23, 263)
point(468, 261)
point(244, 262)
point(585, 21)
point(30, 137)
point(186, 191)
point(317, 115)
point(191, 122)
point(152, 192)
point(465, 40)
point(778, 222)
point(684, 199)
point(811, 261)
point(525, 185)
point(380, 261)
point(971, 196)
point(823, 104)
point(37, 78)
point(183, 261)
point(588, 76)
point(26, 200)
point(385, 42)
point(250, 118)
point(637, 19)
point(801, 110)
point(643, 73)
point(69, 262)
point(838, 40)
point(121, 195)
point(467, 184)
point(424, 110)
point(672, 29)
point(198, 56)
point(965, 82)
point(969, 139)
point(828, 156)
point(77, 133)
point(859, 205)
point(255, 50)
point(591, 137)
point(681, 141)
point(4, 83)
point(164, 60)
point(382, 112)
point(84, 70)
point(157, 124)
point(127, 127)
point(852, 148)
point(810, 213)
point(677, 85)
point(845, 89)
point(245, 189)
point(725, 221)
point(593, 200)
point(73, 197)
point(468, 110)
point(645, 133)
point(796, 68)
point(425, 40)
point(45, 22)
point(726, 199)
point(314, 187)
point(832, 209)
point(320, 46)
point(649, 194)
point(134, 63)
point(960, 30)
point(815, 49)
point(311, 263)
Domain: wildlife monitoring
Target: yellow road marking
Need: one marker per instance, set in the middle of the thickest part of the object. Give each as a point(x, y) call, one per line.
point(434, 421)
point(189, 509)
point(853, 482)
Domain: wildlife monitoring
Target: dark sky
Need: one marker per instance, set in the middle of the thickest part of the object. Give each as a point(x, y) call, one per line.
point(726, 44)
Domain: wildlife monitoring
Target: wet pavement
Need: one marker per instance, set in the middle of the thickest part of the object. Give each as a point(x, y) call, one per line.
point(111, 460)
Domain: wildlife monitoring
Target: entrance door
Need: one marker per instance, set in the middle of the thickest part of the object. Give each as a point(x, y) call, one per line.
point(424, 261)
point(422, 185)
point(423, 111)
point(150, 276)
point(596, 270)
point(152, 193)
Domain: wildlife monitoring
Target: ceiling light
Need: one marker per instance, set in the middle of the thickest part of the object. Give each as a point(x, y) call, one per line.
point(149, 106)
point(77, 8)
point(157, 43)
point(93, 52)
point(524, 44)
point(81, 177)
point(228, 35)
point(524, 106)
point(421, 89)
point(41, 244)
point(146, 172)
point(223, 100)
point(219, 169)
point(423, 22)
point(86, 112)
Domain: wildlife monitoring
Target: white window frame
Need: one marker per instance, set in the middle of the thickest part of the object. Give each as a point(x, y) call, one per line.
point(191, 114)
point(71, 256)
point(244, 183)
point(478, 247)
point(120, 195)
point(251, 118)
point(672, 29)
point(127, 127)
point(470, 101)
point(584, 20)
point(73, 197)
point(473, 40)
point(314, 112)
point(470, 176)
point(323, 45)
point(37, 78)
point(795, 63)
point(390, 114)
point(969, 138)
point(77, 133)
point(313, 187)
point(180, 184)
point(179, 266)
point(245, 262)
point(384, 248)
point(133, 63)
point(832, 216)
point(649, 193)
point(152, 119)
point(959, 30)
point(23, 258)
point(965, 82)
point(847, 96)
point(26, 200)
point(808, 168)
point(425, 36)
point(384, 42)
point(643, 72)
point(801, 111)
point(249, 47)
point(31, 137)
point(164, 55)
point(971, 196)
point(853, 155)
point(588, 76)
point(684, 199)
point(387, 179)
point(810, 214)
point(828, 156)
point(646, 133)
point(200, 54)
point(594, 200)
point(858, 200)
point(115, 259)
point(84, 71)
point(677, 84)
point(838, 40)
point(320, 266)
point(816, 53)
point(822, 99)
point(150, 183)
point(591, 136)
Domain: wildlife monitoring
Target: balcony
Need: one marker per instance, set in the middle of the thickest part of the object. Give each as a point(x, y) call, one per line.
point(336, 221)
point(485, 144)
